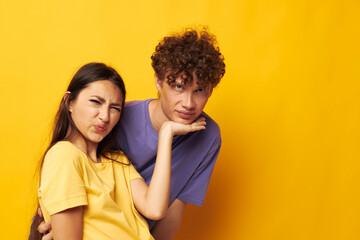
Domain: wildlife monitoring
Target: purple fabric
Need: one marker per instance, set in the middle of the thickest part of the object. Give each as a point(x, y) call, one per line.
point(193, 155)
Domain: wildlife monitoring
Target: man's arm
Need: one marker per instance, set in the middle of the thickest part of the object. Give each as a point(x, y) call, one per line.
point(44, 228)
point(167, 227)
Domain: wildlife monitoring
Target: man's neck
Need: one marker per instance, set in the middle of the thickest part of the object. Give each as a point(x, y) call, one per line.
point(156, 114)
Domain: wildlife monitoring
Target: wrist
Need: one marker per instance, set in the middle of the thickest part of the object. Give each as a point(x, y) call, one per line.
point(166, 130)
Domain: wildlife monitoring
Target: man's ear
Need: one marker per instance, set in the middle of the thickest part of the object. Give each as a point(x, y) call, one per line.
point(159, 84)
point(211, 90)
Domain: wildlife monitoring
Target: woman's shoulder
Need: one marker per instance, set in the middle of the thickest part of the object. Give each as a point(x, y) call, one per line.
point(63, 158)
point(65, 150)
point(63, 146)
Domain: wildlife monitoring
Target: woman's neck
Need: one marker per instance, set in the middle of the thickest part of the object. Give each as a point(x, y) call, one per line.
point(89, 148)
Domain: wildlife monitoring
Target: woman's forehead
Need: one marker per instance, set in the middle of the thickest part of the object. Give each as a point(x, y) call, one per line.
point(103, 88)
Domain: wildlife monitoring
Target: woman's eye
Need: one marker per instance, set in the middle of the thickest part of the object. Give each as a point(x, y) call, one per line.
point(200, 90)
point(95, 101)
point(178, 87)
point(117, 109)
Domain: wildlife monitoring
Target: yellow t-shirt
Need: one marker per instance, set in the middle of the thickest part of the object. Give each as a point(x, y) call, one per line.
point(70, 179)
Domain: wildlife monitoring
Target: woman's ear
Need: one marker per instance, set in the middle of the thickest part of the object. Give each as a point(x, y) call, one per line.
point(66, 100)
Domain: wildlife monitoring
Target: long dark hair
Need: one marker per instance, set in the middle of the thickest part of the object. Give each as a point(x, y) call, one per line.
point(87, 74)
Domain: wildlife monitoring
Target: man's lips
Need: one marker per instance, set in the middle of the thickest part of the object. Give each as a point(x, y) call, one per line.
point(185, 114)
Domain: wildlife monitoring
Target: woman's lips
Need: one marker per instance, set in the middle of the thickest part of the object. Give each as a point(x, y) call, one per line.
point(100, 128)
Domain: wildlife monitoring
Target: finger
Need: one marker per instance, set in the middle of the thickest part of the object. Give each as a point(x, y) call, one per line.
point(198, 126)
point(48, 236)
point(200, 119)
point(44, 227)
point(201, 123)
point(198, 123)
point(40, 212)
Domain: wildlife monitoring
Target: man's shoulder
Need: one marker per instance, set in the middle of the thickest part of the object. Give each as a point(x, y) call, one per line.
point(208, 138)
point(136, 103)
point(211, 125)
point(135, 114)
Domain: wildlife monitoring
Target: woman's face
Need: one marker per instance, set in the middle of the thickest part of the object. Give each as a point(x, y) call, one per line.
point(96, 110)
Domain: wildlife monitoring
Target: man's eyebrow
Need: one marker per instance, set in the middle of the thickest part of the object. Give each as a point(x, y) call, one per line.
point(178, 83)
point(103, 100)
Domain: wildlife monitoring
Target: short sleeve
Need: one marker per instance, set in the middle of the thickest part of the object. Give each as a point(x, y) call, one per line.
point(62, 185)
point(133, 173)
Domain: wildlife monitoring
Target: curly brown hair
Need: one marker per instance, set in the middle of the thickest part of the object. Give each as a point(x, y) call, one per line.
point(192, 53)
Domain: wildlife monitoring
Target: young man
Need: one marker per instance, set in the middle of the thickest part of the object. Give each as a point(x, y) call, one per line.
point(187, 67)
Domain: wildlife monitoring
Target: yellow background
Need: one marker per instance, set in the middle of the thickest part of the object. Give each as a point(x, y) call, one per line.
point(288, 106)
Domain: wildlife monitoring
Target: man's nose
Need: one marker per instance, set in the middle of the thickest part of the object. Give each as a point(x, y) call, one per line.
point(188, 101)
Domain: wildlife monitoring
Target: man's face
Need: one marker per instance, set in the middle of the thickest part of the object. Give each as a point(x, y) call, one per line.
point(182, 103)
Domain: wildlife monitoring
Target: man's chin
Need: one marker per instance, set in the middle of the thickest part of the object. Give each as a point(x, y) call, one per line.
point(184, 121)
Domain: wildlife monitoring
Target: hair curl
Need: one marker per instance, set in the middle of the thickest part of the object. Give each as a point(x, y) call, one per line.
point(189, 54)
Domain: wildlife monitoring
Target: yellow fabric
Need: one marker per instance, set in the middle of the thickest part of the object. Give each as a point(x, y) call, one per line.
point(69, 179)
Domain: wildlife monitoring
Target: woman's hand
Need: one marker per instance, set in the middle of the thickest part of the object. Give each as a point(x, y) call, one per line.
point(182, 129)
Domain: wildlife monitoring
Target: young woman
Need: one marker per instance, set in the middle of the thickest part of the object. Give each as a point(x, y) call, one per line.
point(89, 190)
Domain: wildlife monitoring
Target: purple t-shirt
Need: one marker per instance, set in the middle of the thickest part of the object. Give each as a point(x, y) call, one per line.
point(193, 155)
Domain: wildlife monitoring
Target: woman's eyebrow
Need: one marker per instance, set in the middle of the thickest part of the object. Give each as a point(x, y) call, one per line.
point(116, 104)
point(98, 97)
point(103, 100)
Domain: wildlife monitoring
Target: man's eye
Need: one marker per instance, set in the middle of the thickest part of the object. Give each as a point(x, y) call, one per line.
point(200, 90)
point(95, 101)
